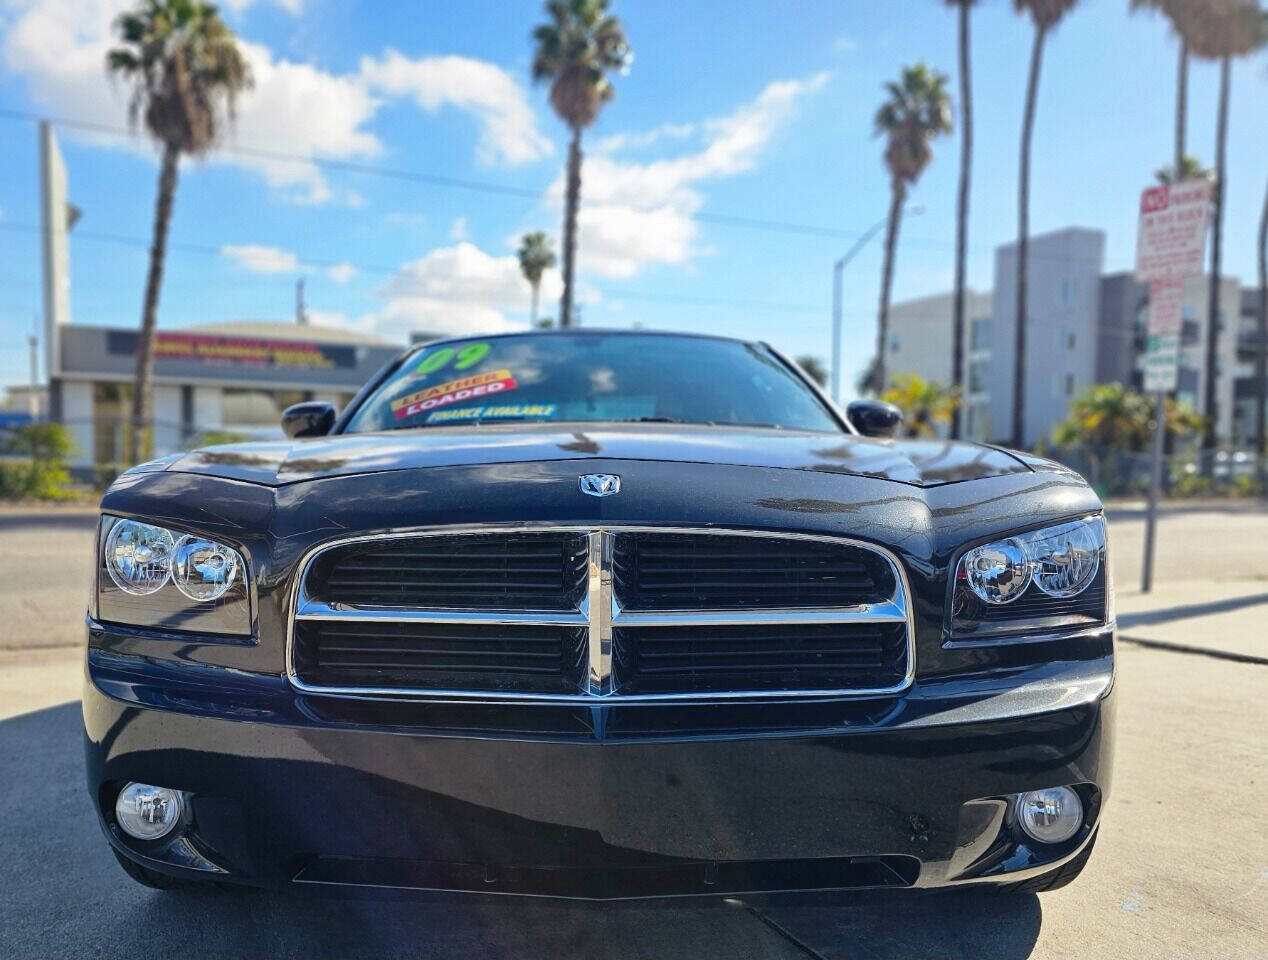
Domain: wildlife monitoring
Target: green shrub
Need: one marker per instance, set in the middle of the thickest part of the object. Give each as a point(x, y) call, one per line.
point(41, 472)
point(211, 438)
point(1245, 486)
point(1192, 485)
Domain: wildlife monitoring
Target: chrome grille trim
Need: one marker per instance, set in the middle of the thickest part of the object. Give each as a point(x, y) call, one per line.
point(600, 610)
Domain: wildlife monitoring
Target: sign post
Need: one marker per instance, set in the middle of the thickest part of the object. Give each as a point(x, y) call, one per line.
point(1170, 243)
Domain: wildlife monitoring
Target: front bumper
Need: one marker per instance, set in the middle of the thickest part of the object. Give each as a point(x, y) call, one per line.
point(607, 803)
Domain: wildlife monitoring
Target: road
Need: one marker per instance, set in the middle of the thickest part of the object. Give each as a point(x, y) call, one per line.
point(1181, 868)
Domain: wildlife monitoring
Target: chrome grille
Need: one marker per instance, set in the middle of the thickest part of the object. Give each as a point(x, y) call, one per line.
point(609, 614)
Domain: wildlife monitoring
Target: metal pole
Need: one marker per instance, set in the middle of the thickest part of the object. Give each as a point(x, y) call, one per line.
point(838, 269)
point(1155, 482)
point(33, 341)
point(1160, 412)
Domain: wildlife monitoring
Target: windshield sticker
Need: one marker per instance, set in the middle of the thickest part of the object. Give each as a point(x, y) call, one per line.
point(468, 356)
point(506, 411)
point(454, 391)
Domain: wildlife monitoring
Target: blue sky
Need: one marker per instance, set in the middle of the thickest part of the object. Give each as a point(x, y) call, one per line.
point(757, 111)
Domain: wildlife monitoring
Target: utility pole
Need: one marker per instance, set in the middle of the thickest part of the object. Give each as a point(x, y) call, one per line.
point(33, 399)
point(301, 312)
point(838, 271)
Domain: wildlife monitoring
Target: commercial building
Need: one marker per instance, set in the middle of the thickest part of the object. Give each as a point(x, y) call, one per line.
point(213, 379)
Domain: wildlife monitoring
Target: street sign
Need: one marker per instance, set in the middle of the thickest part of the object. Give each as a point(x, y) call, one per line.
point(1171, 235)
point(1162, 361)
point(1170, 242)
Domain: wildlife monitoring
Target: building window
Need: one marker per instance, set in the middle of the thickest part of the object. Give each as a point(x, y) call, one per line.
point(978, 372)
point(1069, 384)
point(1070, 341)
point(894, 343)
point(111, 421)
point(980, 338)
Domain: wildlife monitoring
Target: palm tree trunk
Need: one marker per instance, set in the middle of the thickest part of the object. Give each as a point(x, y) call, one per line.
point(1261, 357)
point(1182, 102)
point(961, 222)
point(142, 401)
point(572, 197)
point(1023, 241)
point(1210, 410)
point(533, 312)
point(898, 196)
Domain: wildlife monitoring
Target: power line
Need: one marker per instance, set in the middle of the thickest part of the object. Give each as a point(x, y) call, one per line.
point(203, 249)
point(414, 176)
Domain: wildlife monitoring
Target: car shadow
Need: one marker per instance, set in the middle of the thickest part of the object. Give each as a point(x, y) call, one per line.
point(1145, 618)
point(62, 894)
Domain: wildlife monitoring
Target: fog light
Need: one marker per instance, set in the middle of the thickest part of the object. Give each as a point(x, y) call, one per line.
point(147, 812)
point(1050, 816)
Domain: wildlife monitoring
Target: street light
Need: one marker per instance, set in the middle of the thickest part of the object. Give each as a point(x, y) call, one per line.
point(838, 269)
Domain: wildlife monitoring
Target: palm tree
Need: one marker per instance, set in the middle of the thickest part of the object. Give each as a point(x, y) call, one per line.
point(1045, 14)
point(962, 207)
point(1190, 169)
point(1169, 8)
point(1217, 30)
point(925, 404)
point(536, 257)
point(813, 367)
point(576, 51)
point(916, 110)
point(185, 70)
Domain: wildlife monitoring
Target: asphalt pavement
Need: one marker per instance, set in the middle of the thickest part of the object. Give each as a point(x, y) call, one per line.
point(1180, 869)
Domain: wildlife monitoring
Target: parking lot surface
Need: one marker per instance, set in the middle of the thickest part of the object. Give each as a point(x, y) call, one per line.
point(1180, 870)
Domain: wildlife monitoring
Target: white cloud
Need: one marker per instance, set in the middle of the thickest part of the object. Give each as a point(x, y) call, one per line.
point(458, 229)
point(636, 214)
point(59, 47)
point(258, 258)
point(508, 127)
point(293, 7)
point(341, 272)
point(297, 109)
point(458, 289)
point(845, 44)
point(637, 141)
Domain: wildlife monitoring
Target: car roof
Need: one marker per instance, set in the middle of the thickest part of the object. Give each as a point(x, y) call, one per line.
point(578, 331)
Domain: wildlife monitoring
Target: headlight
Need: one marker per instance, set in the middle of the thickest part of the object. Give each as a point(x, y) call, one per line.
point(1039, 580)
point(203, 569)
point(156, 577)
point(138, 557)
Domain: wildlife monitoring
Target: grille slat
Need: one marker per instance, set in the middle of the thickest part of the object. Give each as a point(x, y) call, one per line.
point(529, 658)
point(538, 571)
point(702, 571)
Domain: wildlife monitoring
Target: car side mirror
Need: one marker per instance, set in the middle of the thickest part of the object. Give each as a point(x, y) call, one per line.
point(874, 418)
point(313, 418)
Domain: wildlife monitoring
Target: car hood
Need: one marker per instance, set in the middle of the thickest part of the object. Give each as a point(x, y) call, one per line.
point(921, 463)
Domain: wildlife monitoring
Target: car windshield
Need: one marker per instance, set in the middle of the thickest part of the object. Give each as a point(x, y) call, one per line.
point(593, 377)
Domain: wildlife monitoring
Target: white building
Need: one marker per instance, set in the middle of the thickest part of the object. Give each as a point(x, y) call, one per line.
point(1063, 293)
point(920, 335)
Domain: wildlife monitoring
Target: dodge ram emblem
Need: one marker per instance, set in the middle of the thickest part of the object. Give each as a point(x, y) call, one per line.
point(600, 484)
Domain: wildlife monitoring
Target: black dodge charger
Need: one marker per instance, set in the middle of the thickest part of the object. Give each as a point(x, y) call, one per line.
point(600, 615)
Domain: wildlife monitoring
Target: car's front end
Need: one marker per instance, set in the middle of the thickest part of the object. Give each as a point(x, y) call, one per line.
point(762, 662)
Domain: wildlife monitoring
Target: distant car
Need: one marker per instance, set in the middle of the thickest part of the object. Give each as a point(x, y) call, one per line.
point(600, 615)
